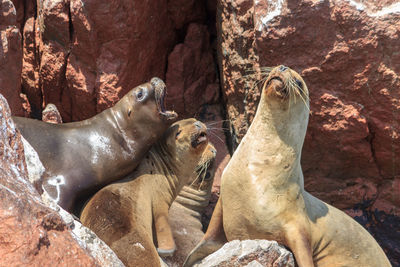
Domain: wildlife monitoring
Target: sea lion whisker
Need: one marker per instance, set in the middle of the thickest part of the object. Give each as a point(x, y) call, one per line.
point(197, 177)
point(219, 138)
point(206, 165)
point(298, 92)
point(305, 102)
point(218, 128)
point(215, 122)
point(198, 171)
point(255, 85)
point(203, 173)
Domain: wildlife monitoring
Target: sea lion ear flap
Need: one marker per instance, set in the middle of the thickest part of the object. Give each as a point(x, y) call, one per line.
point(129, 112)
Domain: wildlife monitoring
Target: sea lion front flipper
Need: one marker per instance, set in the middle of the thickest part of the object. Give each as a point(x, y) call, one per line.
point(213, 239)
point(299, 242)
point(166, 244)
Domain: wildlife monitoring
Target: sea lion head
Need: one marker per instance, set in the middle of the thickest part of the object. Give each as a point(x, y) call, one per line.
point(187, 136)
point(144, 106)
point(204, 174)
point(183, 143)
point(286, 86)
point(285, 104)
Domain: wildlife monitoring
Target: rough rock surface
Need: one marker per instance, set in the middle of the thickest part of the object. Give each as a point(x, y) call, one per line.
point(191, 75)
point(250, 253)
point(85, 237)
point(32, 234)
point(74, 57)
point(10, 56)
point(51, 114)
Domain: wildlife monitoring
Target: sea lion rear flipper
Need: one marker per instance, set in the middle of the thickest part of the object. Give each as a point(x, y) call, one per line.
point(213, 239)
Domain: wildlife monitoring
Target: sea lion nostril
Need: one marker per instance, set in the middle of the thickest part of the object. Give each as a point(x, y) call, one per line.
point(198, 125)
point(282, 68)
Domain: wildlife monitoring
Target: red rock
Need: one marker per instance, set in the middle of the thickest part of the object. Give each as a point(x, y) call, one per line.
point(191, 78)
point(106, 63)
point(51, 114)
point(10, 56)
point(31, 233)
point(349, 61)
point(30, 66)
point(53, 44)
point(86, 65)
point(182, 12)
point(389, 200)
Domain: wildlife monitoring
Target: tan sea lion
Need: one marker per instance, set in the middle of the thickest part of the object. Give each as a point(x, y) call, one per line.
point(80, 157)
point(187, 209)
point(123, 214)
point(262, 189)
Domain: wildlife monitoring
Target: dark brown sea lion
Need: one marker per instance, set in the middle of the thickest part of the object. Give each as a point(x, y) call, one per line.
point(80, 157)
point(124, 214)
point(187, 209)
point(262, 189)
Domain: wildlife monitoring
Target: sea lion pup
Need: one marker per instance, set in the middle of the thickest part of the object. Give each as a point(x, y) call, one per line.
point(123, 214)
point(81, 157)
point(262, 189)
point(187, 209)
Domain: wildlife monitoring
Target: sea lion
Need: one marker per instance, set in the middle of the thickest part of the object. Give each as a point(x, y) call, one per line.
point(186, 211)
point(80, 157)
point(262, 189)
point(123, 214)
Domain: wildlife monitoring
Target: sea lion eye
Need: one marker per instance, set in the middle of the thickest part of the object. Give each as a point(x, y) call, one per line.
point(299, 84)
point(140, 94)
point(178, 133)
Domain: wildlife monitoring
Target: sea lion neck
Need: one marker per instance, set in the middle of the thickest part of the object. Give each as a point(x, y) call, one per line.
point(161, 161)
point(193, 199)
point(273, 144)
point(278, 119)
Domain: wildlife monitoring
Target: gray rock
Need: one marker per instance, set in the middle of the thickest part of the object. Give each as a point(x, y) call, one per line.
point(83, 235)
point(249, 253)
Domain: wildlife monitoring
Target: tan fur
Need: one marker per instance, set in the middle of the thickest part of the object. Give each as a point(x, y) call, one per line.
point(263, 196)
point(124, 214)
point(186, 211)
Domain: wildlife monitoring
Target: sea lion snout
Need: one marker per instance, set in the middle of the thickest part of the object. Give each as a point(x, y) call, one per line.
point(157, 84)
point(275, 84)
point(160, 90)
point(200, 135)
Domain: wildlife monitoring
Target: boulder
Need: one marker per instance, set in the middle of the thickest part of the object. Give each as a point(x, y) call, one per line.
point(34, 231)
point(10, 57)
point(249, 253)
point(51, 114)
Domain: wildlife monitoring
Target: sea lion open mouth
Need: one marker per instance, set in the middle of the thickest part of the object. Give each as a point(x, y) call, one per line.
point(275, 78)
point(160, 92)
point(199, 138)
point(280, 86)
